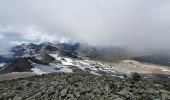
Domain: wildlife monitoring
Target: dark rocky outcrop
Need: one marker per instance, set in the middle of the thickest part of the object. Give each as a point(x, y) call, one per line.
point(18, 65)
point(135, 76)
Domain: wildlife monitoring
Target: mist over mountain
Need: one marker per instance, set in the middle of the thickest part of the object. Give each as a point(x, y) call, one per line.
point(140, 25)
point(85, 49)
point(81, 71)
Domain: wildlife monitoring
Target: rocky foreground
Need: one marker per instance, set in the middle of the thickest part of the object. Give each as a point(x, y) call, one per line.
point(62, 86)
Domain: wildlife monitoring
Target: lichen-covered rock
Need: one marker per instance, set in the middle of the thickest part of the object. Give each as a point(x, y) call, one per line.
point(63, 92)
point(67, 86)
point(17, 98)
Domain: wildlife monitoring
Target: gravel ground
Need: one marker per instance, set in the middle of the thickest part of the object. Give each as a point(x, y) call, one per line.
point(15, 75)
point(67, 86)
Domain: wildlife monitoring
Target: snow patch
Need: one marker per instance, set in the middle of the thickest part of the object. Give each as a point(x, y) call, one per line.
point(43, 69)
point(37, 71)
point(68, 60)
point(84, 63)
point(54, 56)
point(66, 70)
point(66, 63)
point(2, 64)
point(60, 68)
point(121, 76)
point(94, 73)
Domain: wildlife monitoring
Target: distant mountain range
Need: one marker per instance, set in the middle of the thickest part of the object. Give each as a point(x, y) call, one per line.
point(61, 57)
point(67, 57)
point(92, 52)
point(160, 59)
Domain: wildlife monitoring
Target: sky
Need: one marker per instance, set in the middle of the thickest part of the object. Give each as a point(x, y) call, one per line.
point(139, 24)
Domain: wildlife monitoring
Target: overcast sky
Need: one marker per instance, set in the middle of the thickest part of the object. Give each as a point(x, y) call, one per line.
point(136, 23)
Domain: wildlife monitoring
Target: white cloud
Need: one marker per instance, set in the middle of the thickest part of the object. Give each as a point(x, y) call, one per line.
point(137, 24)
point(3, 45)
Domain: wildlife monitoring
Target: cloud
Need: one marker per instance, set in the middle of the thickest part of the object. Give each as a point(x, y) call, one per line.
point(137, 24)
point(3, 45)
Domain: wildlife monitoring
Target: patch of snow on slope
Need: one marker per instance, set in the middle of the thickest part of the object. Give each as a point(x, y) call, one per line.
point(66, 70)
point(94, 73)
point(85, 63)
point(54, 55)
point(66, 63)
point(68, 60)
point(2, 64)
point(121, 76)
point(95, 67)
point(37, 71)
point(43, 69)
point(60, 68)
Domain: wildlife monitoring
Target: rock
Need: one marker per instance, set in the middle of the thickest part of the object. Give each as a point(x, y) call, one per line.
point(135, 76)
point(107, 88)
point(118, 99)
point(153, 91)
point(85, 90)
point(62, 86)
point(165, 96)
point(70, 95)
point(17, 98)
point(88, 96)
point(142, 91)
point(97, 91)
point(63, 92)
point(115, 96)
point(145, 97)
point(77, 94)
point(125, 93)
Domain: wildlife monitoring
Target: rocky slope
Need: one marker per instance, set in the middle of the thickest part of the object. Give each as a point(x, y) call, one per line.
point(62, 86)
point(15, 75)
point(18, 65)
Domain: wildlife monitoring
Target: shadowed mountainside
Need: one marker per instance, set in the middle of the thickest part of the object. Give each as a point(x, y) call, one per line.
point(18, 65)
point(161, 59)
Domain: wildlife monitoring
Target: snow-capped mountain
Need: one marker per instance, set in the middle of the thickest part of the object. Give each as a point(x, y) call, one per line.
point(78, 49)
point(69, 47)
point(48, 58)
point(5, 59)
point(29, 49)
point(24, 50)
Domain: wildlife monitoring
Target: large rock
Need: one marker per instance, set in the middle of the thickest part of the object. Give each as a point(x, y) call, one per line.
point(135, 76)
point(63, 92)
